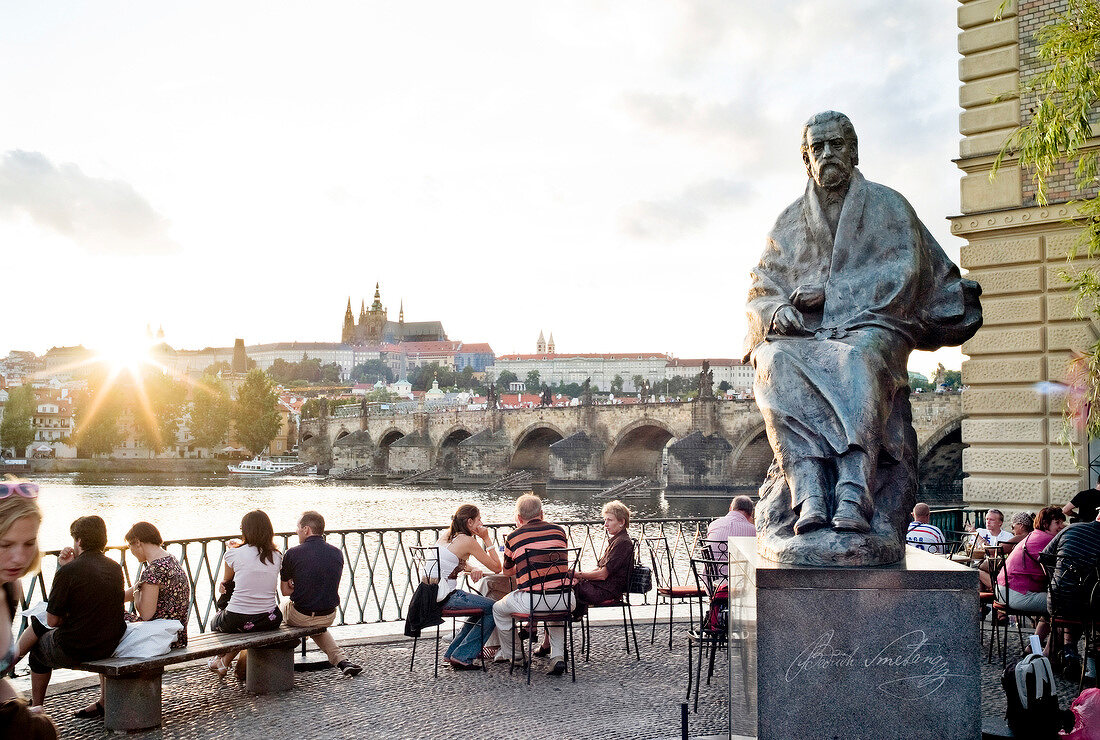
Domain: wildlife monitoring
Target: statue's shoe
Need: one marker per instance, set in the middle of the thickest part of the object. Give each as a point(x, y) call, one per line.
point(812, 516)
point(849, 518)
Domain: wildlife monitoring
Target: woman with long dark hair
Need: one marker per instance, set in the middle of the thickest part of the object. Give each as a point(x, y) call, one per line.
point(253, 569)
point(467, 537)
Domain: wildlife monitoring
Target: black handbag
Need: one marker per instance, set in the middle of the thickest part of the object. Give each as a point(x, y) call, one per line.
point(223, 599)
point(641, 580)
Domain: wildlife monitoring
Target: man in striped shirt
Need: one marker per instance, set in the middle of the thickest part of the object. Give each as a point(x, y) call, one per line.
point(922, 534)
point(533, 532)
point(1077, 552)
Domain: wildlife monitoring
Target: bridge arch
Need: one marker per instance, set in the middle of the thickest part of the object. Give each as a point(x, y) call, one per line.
point(751, 456)
point(532, 447)
point(939, 465)
point(447, 454)
point(638, 448)
point(388, 437)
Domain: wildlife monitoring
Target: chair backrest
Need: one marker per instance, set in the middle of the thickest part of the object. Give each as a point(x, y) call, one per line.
point(1069, 574)
point(660, 554)
point(710, 578)
point(425, 562)
point(549, 573)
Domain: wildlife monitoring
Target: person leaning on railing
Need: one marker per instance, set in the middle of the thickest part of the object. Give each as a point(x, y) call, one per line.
point(466, 538)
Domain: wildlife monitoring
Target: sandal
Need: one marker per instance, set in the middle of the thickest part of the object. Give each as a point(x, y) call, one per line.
point(86, 713)
point(216, 666)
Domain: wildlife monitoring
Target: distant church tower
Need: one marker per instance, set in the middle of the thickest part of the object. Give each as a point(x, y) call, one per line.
point(540, 348)
point(550, 346)
point(373, 324)
point(348, 334)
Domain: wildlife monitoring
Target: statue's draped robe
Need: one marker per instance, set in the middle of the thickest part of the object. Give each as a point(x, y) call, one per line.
point(889, 289)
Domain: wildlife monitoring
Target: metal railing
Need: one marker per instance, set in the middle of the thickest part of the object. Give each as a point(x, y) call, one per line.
point(955, 519)
point(377, 581)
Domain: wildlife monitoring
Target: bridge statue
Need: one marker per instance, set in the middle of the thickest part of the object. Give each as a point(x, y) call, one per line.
point(849, 284)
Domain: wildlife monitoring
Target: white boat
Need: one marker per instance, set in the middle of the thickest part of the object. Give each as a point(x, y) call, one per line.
point(261, 465)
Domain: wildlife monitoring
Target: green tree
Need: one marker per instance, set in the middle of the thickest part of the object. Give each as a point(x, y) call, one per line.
point(617, 384)
point(98, 409)
point(372, 371)
point(17, 431)
point(156, 404)
point(1066, 90)
point(211, 412)
point(533, 382)
point(256, 412)
point(218, 367)
point(918, 382)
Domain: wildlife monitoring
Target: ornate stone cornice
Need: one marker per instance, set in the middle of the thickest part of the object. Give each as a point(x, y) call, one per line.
point(1013, 218)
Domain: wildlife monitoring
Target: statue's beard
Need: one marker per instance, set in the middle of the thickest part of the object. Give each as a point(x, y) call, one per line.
point(833, 175)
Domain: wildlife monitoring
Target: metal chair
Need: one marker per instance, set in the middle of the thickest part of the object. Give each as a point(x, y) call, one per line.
point(716, 623)
point(1064, 573)
point(426, 570)
point(547, 576)
point(622, 602)
point(1005, 609)
point(667, 582)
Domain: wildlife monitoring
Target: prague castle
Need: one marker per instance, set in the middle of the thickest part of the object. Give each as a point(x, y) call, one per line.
point(374, 327)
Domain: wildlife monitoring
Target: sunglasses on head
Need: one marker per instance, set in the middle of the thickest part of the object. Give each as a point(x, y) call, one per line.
point(26, 489)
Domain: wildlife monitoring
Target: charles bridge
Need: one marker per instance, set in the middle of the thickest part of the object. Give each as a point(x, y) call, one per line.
point(711, 443)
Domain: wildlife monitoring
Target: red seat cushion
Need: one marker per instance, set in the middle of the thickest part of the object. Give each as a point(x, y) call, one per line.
point(680, 591)
point(462, 612)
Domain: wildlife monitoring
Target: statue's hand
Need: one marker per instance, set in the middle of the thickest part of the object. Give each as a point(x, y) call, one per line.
point(808, 297)
point(788, 320)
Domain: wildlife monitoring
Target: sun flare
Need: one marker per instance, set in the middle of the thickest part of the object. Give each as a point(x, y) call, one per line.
point(128, 355)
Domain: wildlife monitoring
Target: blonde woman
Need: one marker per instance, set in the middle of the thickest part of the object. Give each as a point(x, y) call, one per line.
point(20, 518)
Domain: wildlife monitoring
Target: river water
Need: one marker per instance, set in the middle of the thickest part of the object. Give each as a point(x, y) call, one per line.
point(206, 506)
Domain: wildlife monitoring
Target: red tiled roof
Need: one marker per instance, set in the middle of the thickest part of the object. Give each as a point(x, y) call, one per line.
point(678, 362)
point(482, 348)
point(590, 356)
point(412, 348)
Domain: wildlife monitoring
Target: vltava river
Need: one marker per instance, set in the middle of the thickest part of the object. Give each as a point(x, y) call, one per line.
point(208, 506)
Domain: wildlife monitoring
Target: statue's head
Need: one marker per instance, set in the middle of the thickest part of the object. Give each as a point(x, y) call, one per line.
point(830, 149)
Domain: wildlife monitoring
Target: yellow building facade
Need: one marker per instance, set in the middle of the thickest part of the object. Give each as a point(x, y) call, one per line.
point(1016, 250)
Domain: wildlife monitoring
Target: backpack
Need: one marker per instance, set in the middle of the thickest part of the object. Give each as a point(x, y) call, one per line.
point(1033, 710)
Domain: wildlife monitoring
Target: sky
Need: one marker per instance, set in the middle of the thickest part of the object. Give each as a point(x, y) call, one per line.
point(603, 170)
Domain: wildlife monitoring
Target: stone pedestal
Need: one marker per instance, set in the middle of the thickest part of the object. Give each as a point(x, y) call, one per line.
point(868, 653)
point(270, 669)
point(132, 702)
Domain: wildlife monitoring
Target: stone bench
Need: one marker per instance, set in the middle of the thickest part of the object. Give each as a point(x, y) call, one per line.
point(133, 688)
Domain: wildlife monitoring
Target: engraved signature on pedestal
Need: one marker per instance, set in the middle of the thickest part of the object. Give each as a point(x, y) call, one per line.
point(924, 667)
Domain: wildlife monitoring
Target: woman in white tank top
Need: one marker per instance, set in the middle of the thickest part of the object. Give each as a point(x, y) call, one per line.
point(467, 537)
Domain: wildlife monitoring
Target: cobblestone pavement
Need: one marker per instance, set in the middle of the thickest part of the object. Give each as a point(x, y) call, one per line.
point(615, 696)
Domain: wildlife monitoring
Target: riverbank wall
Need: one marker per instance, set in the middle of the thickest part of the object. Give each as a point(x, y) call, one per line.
point(46, 466)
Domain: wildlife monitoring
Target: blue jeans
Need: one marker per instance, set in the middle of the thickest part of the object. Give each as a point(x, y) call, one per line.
point(467, 645)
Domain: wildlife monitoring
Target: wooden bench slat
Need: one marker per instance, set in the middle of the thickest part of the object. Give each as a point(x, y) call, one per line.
point(199, 646)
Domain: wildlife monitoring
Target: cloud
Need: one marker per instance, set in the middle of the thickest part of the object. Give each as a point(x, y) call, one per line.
point(103, 216)
point(689, 211)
